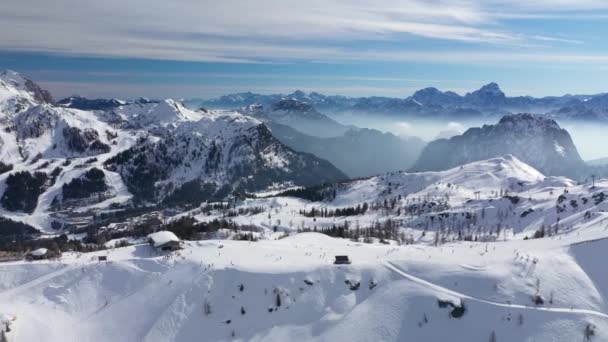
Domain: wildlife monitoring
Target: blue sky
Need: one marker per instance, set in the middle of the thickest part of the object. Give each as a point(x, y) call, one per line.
point(203, 48)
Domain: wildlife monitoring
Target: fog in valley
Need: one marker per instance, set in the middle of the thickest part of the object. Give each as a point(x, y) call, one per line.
point(589, 138)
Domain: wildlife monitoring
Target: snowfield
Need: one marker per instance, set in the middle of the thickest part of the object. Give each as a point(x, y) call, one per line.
point(288, 289)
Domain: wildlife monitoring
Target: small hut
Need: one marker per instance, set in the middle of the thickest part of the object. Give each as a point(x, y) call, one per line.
point(164, 241)
point(342, 259)
point(38, 254)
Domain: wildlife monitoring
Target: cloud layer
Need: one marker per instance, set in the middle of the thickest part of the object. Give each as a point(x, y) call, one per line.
point(257, 31)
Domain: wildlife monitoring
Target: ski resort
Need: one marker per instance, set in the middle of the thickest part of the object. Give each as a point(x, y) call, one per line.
point(318, 170)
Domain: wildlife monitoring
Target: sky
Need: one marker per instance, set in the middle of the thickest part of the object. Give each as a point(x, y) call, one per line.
point(206, 48)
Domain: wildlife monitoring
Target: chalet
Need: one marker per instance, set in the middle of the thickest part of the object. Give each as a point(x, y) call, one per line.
point(39, 254)
point(164, 241)
point(342, 259)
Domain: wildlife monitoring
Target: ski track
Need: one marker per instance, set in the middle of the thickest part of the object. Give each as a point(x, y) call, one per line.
point(37, 281)
point(392, 267)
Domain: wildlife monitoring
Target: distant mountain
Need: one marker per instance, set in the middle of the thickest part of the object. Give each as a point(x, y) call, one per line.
point(359, 152)
point(592, 109)
point(489, 95)
point(298, 114)
point(434, 96)
point(82, 103)
point(598, 162)
point(488, 101)
point(535, 140)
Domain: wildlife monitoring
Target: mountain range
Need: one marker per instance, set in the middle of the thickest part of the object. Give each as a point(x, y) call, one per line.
point(486, 241)
point(56, 159)
point(293, 122)
point(431, 102)
point(88, 155)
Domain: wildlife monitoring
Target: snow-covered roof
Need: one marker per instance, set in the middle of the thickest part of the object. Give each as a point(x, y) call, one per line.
point(162, 237)
point(39, 252)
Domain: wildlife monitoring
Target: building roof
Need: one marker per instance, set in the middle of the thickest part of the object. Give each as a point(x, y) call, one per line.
point(162, 237)
point(39, 252)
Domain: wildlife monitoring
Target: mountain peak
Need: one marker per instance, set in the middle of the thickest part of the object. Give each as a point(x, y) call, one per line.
point(489, 95)
point(20, 83)
point(298, 94)
point(490, 89)
point(492, 86)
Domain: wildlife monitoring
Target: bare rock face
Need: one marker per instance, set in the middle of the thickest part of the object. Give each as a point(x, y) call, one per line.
point(39, 94)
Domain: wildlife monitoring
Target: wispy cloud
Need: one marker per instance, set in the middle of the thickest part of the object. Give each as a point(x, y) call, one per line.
point(264, 30)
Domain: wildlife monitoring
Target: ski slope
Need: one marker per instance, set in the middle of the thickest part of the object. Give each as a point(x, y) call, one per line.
point(222, 290)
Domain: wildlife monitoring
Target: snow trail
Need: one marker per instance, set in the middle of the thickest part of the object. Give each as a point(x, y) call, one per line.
point(37, 281)
point(438, 288)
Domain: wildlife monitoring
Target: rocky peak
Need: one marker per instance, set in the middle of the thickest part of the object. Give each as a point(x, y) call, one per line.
point(536, 140)
point(527, 119)
point(298, 94)
point(489, 95)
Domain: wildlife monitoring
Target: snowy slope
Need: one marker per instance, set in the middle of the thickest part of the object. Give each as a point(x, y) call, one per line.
point(150, 114)
point(61, 143)
point(222, 153)
point(482, 199)
point(227, 290)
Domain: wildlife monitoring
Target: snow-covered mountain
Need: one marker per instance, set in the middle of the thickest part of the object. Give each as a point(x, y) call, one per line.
point(536, 140)
point(219, 154)
point(121, 151)
point(34, 128)
point(468, 200)
point(457, 258)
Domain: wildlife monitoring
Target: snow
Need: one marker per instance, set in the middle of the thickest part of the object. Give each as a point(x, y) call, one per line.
point(561, 150)
point(39, 252)
point(164, 113)
point(81, 299)
point(163, 237)
point(477, 188)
